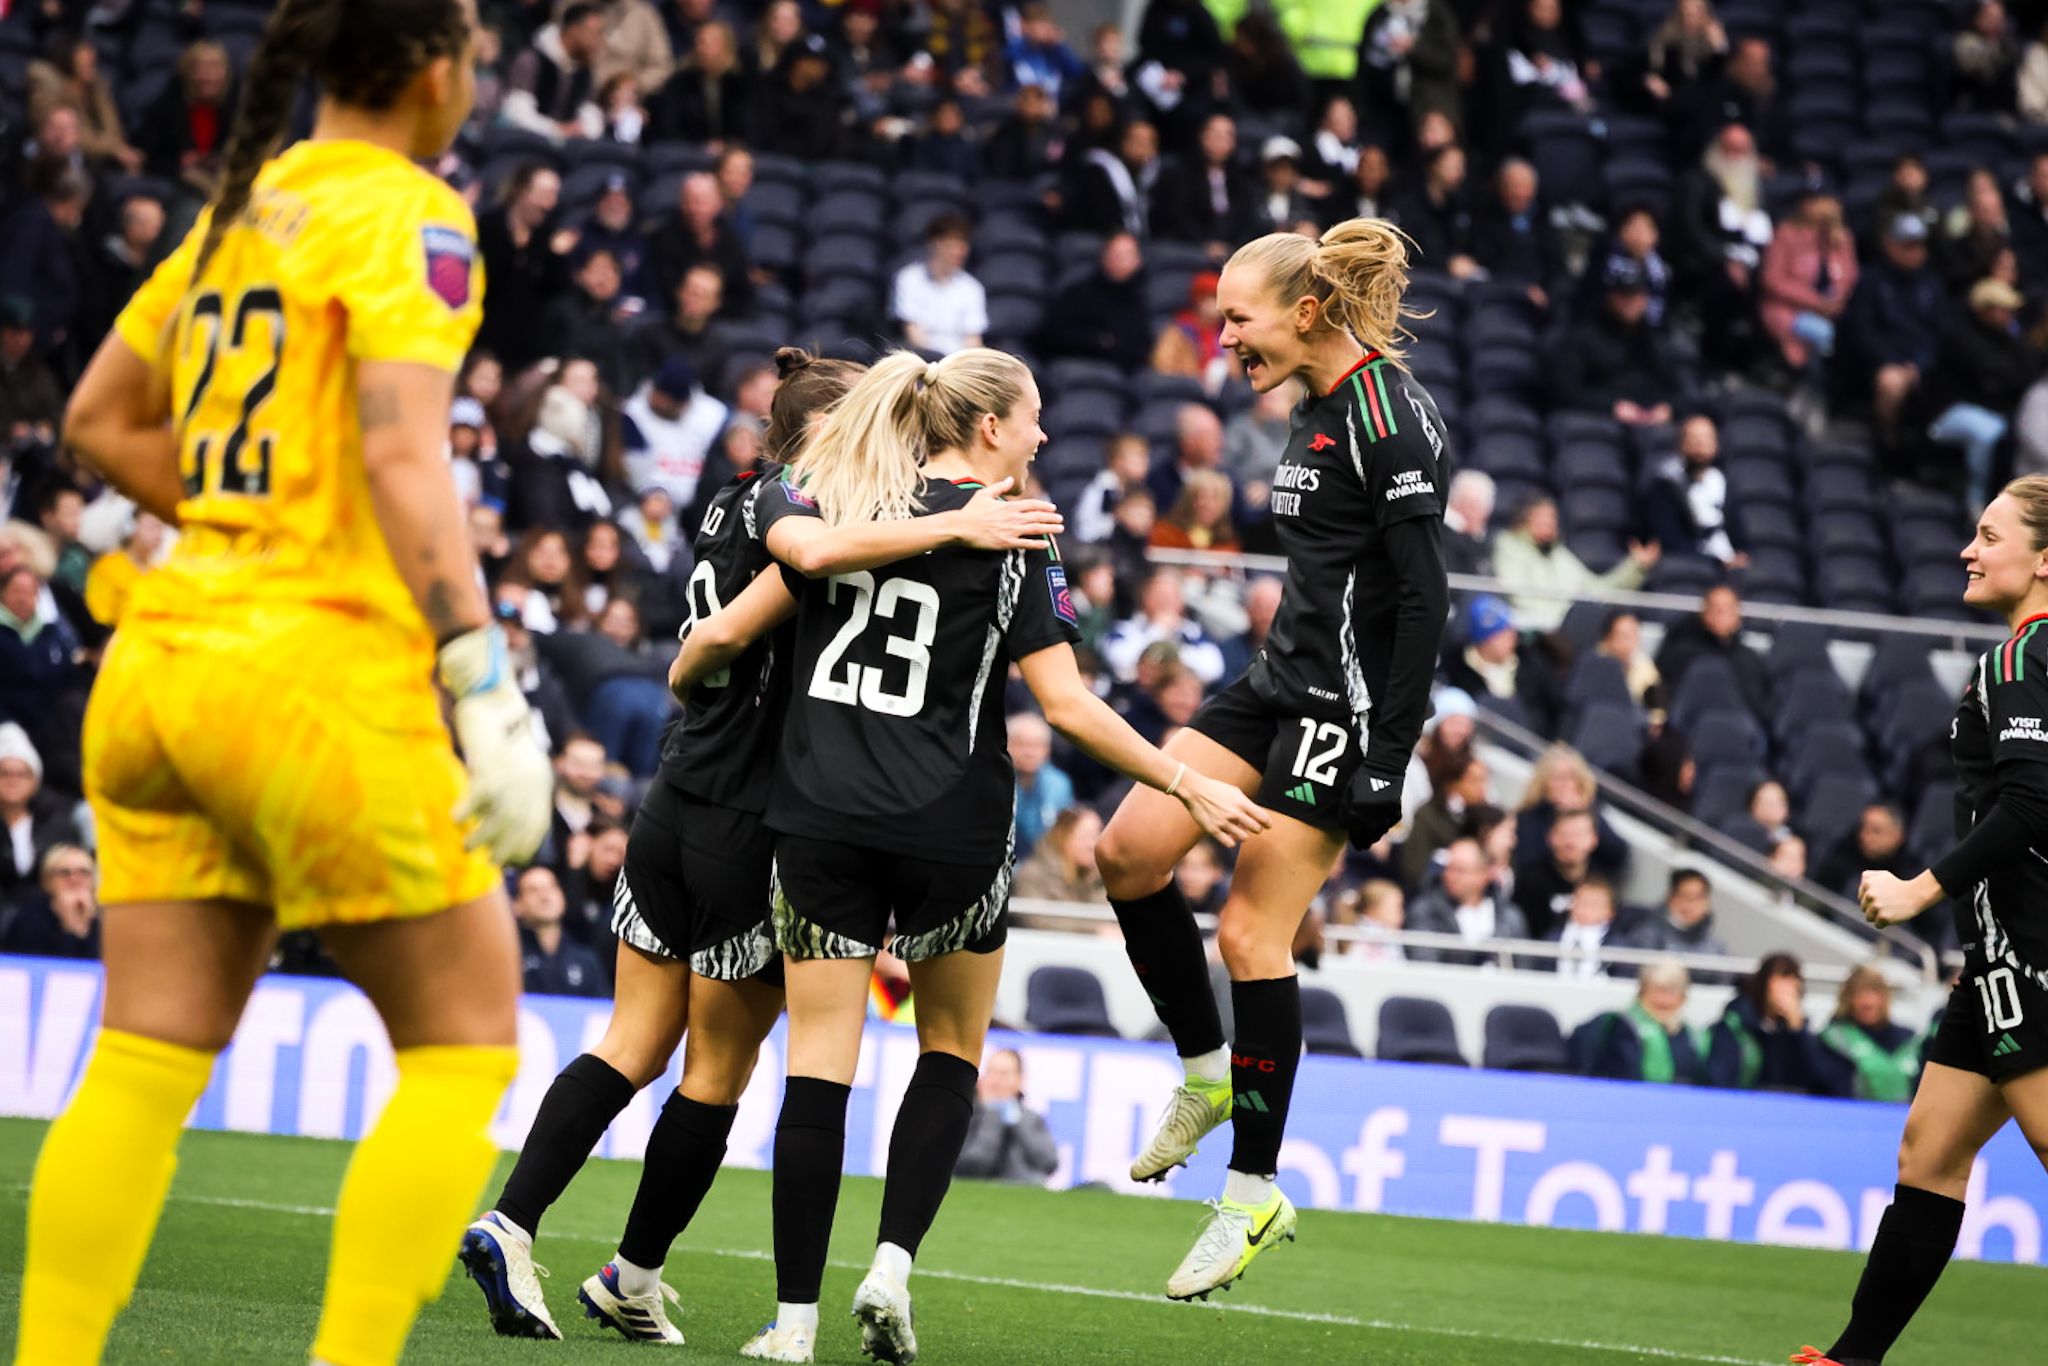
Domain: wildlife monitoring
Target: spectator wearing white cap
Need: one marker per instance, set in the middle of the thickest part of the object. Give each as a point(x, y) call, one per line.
point(1980, 375)
point(1283, 202)
point(673, 426)
point(30, 820)
point(1468, 518)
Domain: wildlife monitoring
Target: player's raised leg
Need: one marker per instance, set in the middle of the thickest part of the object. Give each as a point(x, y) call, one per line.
point(178, 974)
point(1278, 873)
point(447, 987)
point(1149, 834)
point(729, 1020)
point(649, 1008)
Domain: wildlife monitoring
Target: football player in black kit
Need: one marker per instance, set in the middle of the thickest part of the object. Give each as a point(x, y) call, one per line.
point(894, 797)
point(1985, 1063)
point(691, 909)
point(1320, 726)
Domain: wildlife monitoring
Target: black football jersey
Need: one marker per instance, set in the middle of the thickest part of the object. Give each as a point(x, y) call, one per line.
point(895, 736)
point(723, 749)
point(2003, 720)
point(1361, 458)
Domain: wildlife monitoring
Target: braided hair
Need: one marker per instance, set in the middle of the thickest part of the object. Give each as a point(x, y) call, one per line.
point(362, 52)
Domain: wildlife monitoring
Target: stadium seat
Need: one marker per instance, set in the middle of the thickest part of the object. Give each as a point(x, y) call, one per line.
point(1829, 810)
point(1610, 736)
point(1932, 831)
point(1503, 413)
point(1065, 1000)
point(1583, 624)
point(1085, 412)
point(1510, 454)
point(1568, 159)
point(1325, 1026)
point(1723, 791)
point(1773, 524)
point(1524, 1039)
point(1805, 696)
point(1726, 737)
point(1416, 1029)
point(1583, 464)
point(1070, 374)
point(1709, 683)
point(843, 212)
point(1765, 480)
point(832, 177)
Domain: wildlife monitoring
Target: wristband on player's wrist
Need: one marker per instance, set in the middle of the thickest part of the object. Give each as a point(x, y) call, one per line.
point(1172, 789)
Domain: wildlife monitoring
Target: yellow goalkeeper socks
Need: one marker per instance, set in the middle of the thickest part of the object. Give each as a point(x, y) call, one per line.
point(411, 1187)
point(99, 1189)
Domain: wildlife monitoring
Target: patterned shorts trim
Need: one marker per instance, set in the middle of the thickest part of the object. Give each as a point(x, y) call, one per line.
point(631, 928)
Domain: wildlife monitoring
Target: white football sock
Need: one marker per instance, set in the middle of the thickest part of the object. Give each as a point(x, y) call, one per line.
point(1247, 1189)
point(803, 1316)
point(1211, 1066)
point(893, 1261)
point(637, 1281)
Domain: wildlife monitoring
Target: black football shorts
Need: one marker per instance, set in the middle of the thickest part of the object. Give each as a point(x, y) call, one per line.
point(1305, 762)
point(1995, 1023)
point(837, 900)
point(696, 887)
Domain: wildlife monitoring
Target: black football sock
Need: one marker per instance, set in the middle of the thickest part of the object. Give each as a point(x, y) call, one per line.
point(574, 1114)
point(1165, 948)
point(810, 1149)
point(931, 1128)
point(1914, 1241)
point(1263, 1060)
point(683, 1156)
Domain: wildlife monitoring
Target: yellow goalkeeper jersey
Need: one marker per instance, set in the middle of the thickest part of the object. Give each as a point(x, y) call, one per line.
point(347, 253)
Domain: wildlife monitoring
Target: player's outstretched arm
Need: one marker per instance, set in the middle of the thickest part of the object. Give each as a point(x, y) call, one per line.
point(118, 421)
point(719, 639)
point(403, 409)
point(989, 522)
point(1088, 721)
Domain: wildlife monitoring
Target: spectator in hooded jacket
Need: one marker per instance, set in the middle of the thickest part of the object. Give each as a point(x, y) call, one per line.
point(709, 98)
point(797, 112)
point(552, 86)
point(526, 263)
point(1204, 198)
point(1980, 375)
point(1893, 325)
point(1687, 503)
point(1493, 663)
point(1617, 363)
point(1762, 1042)
point(1103, 316)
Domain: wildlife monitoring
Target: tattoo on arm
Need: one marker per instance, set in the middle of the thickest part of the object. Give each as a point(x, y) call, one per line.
point(443, 615)
point(377, 407)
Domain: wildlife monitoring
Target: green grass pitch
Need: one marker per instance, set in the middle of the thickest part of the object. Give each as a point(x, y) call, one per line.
point(1028, 1276)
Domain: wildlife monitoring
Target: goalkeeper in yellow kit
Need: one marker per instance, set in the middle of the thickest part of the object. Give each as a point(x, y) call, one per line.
point(264, 748)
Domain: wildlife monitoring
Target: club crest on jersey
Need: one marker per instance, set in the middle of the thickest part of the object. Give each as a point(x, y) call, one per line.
point(449, 259)
point(1062, 598)
point(1322, 442)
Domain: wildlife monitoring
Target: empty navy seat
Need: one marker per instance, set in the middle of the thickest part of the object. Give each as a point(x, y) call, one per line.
point(1596, 678)
point(1709, 683)
point(1726, 738)
point(1798, 645)
point(1723, 791)
point(1064, 1000)
point(1610, 736)
point(1416, 1029)
point(1509, 453)
point(1524, 1039)
point(1932, 832)
point(1581, 464)
point(1085, 411)
point(841, 212)
point(1325, 1025)
point(1072, 373)
point(1829, 810)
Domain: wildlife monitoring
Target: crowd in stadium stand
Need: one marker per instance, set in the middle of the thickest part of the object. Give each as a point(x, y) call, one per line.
point(1741, 301)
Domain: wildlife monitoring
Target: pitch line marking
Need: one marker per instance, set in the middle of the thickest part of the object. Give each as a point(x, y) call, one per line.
point(1054, 1288)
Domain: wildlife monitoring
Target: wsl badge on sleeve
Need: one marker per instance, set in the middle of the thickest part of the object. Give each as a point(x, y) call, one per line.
point(1062, 599)
point(450, 258)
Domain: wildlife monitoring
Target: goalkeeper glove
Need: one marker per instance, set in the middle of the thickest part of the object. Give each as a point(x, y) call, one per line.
point(1371, 805)
point(511, 788)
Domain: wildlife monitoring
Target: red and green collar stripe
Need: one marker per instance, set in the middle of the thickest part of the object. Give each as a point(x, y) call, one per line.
point(2012, 656)
point(1369, 384)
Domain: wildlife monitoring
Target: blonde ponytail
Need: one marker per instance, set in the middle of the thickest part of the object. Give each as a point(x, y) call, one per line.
point(865, 462)
point(1357, 272)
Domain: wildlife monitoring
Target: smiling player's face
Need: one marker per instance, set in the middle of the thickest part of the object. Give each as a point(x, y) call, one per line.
point(1259, 327)
point(2000, 562)
point(1015, 439)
